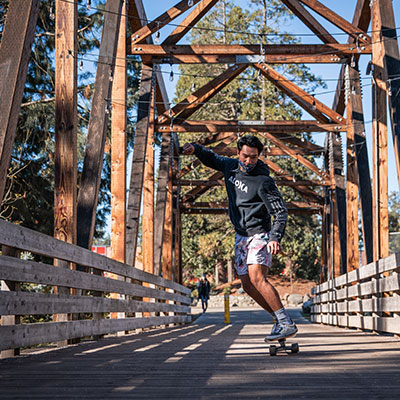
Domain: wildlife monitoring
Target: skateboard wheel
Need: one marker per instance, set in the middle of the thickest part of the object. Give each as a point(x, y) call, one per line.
point(272, 350)
point(295, 348)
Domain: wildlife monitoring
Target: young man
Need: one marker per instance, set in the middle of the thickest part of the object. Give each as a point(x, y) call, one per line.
point(253, 199)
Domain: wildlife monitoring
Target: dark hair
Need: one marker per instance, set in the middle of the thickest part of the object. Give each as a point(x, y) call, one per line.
point(251, 141)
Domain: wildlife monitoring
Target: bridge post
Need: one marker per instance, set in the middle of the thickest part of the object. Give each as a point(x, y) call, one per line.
point(379, 129)
point(15, 51)
point(118, 155)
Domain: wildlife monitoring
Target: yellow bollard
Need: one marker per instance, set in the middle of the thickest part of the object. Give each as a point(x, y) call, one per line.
point(227, 312)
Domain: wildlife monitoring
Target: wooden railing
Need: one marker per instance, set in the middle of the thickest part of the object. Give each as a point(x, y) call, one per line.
point(79, 293)
point(366, 298)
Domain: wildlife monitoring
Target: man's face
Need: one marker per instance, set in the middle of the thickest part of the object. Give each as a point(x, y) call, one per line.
point(248, 155)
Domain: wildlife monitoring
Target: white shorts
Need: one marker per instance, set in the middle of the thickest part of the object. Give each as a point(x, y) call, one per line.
point(251, 250)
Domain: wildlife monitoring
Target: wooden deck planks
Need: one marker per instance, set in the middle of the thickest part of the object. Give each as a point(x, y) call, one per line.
point(210, 359)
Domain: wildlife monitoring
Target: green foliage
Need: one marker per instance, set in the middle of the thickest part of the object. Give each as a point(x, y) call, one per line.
point(394, 222)
point(208, 239)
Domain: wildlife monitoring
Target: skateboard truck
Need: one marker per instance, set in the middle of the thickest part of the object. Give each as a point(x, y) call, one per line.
point(273, 350)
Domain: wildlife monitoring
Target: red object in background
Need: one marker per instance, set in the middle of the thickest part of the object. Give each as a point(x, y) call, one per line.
point(99, 249)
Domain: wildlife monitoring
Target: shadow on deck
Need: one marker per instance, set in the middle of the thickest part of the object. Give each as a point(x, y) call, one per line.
point(210, 359)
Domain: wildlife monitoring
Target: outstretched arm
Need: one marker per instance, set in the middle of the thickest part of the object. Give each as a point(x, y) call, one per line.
point(206, 156)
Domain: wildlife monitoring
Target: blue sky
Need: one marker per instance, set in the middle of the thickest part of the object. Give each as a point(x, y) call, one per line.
point(344, 8)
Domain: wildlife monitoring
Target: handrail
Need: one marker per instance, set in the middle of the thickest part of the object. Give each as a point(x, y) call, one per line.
point(164, 296)
point(366, 298)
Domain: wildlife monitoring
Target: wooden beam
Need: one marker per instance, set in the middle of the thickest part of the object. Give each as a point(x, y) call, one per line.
point(221, 182)
point(391, 61)
point(191, 20)
point(148, 196)
point(313, 106)
point(65, 138)
point(338, 204)
point(379, 135)
point(65, 153)
point(199, 191)
point(194, 101)
point(308, 19)
point(118, 148)
point(95, 141)
point(361, 19)
point(252, 126)
point(353, 258)
point(354, 100)
point(245, 54)
point(337, 20)
point(167, 271)
point(118, 154)
point(161, 200)
point(15, 52)
point(140, 35)
point(138, 161)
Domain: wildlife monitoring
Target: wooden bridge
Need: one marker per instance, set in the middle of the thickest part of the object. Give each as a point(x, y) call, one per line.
point(210, 359)
point(156, 350)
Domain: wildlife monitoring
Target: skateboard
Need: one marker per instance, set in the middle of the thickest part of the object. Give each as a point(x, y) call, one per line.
point(293, 348)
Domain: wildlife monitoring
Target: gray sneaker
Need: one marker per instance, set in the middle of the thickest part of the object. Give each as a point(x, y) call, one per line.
point(275, 328)
point(282, 332)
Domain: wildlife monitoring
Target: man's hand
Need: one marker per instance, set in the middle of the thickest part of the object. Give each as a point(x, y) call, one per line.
point(188, 149)
point(274, 247)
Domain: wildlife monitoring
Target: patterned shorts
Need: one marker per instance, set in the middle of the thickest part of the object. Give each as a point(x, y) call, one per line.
point(251, 250)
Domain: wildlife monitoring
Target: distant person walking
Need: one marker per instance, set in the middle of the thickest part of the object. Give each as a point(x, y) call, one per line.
point(204, 292)
point(253, 199)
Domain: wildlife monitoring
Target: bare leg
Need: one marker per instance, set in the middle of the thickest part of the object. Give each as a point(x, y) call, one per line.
point(263, 287)
point(254, 293)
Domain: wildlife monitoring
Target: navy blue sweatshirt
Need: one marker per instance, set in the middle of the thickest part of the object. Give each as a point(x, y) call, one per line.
point(253, 196)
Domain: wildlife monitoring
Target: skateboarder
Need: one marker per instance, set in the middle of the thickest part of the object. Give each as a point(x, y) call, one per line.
point(253, 199)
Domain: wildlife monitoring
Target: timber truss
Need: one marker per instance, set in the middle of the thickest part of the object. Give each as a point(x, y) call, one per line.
point(371, 32)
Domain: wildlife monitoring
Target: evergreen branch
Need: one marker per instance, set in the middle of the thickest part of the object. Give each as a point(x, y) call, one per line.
point(31, 103)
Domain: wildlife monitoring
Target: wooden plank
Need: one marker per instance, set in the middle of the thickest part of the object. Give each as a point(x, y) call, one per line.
point(361, 152)
point(96, 137)
point(252, 126)
point(379, 142)
point(311, 22)
point(353, 257)
point(388, 304)
point(168, 16)
point(138, 162)
point(31, 272)
point(15, 51)
point(312, 105)
point(31, 334)
point(38, 243)
point(325, 12)
point(195, 16)
point(24, 303)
